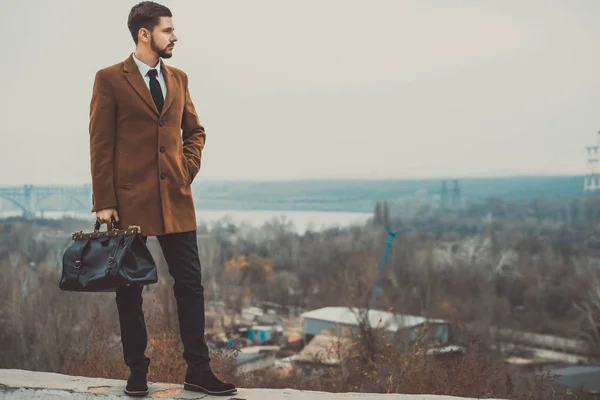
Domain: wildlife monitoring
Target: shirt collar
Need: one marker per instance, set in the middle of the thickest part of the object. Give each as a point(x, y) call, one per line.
point(144, 68)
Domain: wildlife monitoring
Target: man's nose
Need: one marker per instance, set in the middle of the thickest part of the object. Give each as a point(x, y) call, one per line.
point(174, 38)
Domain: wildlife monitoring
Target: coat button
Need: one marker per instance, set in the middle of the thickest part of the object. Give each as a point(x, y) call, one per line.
point(162, 149)
point(162, 176)
point(162, 123)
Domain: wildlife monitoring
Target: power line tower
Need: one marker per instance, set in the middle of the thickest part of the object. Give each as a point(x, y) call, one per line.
point(444, 196)
point(591, 182)
point(456, 196)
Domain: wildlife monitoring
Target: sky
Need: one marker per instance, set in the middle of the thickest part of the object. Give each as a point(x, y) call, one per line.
point(321, 89)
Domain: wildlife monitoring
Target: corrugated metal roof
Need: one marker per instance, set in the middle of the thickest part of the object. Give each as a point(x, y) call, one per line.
point(577, 370)
point(576, 377)
point(349, 316)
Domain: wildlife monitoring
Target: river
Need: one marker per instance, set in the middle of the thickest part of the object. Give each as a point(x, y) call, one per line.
point(301, 220)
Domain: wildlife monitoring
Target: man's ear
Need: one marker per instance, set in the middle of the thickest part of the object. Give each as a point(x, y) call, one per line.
point(144, 35)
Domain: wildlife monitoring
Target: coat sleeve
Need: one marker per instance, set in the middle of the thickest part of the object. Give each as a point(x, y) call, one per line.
point(102, 144)
point(193, 135)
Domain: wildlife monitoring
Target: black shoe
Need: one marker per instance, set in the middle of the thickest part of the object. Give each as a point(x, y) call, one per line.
point(207, 382)
point(136, 384)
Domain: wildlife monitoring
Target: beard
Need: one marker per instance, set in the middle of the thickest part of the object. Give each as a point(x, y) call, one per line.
point(161, 52)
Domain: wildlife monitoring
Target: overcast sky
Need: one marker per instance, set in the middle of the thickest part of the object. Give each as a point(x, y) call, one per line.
point(321, 88)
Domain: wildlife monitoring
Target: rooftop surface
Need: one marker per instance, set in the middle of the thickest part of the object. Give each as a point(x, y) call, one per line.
point(348, 316)
point(20, 385)
point(580, 376)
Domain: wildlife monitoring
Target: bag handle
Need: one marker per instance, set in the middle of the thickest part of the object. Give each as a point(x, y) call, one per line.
point(112, 227)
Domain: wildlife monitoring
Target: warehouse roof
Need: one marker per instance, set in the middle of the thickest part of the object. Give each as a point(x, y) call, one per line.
point(349, 316)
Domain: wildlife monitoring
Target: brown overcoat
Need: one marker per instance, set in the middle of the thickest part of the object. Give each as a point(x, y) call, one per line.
point(143, 162)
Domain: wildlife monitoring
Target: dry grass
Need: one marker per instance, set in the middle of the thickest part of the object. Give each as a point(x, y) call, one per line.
point(386, 370)
point(45, 329)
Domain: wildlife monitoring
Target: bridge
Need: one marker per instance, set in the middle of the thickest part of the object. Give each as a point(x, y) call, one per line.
point(32, 200)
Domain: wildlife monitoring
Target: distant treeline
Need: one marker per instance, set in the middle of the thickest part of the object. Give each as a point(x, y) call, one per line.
point(361, 195)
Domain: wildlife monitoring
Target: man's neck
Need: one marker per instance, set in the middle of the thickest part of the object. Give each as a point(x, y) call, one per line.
point(147, 57)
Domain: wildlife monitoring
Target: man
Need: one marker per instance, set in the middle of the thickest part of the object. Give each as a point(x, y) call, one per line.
point(146, 148)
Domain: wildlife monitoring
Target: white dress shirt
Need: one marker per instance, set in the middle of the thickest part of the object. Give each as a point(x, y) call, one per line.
point(144, 68)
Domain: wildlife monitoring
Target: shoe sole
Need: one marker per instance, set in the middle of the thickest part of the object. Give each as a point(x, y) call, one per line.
point(138, 393)
point(196, 388)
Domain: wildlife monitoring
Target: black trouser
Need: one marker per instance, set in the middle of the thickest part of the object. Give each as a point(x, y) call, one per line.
point(181, 253)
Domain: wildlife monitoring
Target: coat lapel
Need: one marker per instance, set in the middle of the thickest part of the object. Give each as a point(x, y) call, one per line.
point(171, 87)
point(133, 76)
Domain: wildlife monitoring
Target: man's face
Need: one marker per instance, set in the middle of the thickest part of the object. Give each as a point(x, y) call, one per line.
point(162, 39)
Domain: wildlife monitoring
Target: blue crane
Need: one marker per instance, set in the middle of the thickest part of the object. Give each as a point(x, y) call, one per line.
point(391, 235)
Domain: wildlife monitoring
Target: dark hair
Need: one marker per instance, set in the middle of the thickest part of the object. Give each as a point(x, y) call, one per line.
point(145, 15)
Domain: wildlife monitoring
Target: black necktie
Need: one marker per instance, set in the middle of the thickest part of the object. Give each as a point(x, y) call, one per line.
point(157, 94)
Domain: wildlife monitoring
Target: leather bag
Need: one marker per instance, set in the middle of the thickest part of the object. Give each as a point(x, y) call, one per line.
point(101, 261)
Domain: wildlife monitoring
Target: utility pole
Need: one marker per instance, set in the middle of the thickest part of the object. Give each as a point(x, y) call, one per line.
point(444, 196)
point(456, 196)
point(591, 182)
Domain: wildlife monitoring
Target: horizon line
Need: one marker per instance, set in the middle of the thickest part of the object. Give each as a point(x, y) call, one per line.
point(345, 179)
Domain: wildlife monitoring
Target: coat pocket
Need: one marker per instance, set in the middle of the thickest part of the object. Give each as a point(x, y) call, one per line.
point(184, 172)
point(123, 174)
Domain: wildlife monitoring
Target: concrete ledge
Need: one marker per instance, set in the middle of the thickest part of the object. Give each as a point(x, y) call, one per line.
point(18, 384)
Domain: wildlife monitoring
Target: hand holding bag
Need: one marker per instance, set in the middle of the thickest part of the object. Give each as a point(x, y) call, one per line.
point(101, 261)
